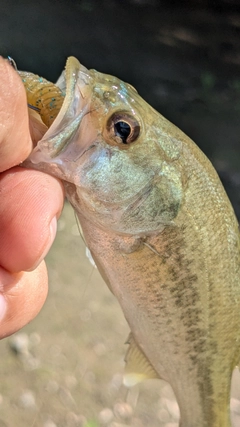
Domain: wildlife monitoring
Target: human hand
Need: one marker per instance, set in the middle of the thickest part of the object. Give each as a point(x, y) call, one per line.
point(30, 203)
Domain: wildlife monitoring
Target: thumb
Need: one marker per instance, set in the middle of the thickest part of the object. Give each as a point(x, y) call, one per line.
point(22, 297)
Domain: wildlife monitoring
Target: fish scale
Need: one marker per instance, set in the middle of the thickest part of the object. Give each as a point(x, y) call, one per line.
point(162, 233)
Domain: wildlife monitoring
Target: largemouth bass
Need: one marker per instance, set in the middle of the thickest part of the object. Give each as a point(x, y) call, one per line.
point(161, 231)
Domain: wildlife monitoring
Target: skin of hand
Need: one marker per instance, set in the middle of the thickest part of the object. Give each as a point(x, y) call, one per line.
point(30, 204)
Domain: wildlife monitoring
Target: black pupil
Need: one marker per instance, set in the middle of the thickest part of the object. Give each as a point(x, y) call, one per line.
point(123, 130)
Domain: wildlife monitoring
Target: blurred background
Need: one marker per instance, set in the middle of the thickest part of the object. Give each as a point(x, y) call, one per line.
point(65, 368)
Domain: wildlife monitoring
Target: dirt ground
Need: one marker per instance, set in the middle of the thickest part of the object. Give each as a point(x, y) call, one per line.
point(65, 368)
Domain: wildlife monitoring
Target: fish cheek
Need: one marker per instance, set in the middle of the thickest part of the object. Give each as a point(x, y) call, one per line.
point(169, 194)
point(159, 205)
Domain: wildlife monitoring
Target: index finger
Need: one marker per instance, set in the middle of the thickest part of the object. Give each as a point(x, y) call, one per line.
point(15, 140)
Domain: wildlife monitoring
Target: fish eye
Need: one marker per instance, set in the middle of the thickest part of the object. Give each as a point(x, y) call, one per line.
point(123, 130)
point(123, 127)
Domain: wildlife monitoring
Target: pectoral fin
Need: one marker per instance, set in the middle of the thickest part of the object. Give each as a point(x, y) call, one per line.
point(137, 368)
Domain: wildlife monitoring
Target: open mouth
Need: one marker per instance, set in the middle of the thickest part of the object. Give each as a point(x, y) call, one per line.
point(75, 81)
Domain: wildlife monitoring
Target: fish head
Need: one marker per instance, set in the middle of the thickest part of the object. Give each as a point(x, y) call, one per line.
point(113, 152)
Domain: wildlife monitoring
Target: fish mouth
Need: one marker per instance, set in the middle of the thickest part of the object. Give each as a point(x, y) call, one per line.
point(76, 82)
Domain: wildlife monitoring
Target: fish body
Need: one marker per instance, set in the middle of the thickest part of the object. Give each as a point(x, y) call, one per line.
point(162, 233)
